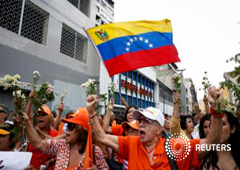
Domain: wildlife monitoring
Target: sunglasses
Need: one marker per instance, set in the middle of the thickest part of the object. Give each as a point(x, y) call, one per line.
point(71, 126)
point(42, 114)
point(145, 120)
point(3, 111)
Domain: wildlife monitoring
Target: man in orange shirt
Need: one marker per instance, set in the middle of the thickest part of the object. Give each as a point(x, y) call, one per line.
point(149, 150)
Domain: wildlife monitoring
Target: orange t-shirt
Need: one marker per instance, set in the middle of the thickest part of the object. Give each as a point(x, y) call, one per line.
point(37, 157)
point(117, 130)
point(131, 149)
point(60, 131)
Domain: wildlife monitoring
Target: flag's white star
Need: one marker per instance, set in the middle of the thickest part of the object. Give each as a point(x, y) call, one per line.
point(141, 38)
point(128, 43)
point(127, 49)
point(150, 45)
point(131, 40)
point(135, 38)
point(146, 41)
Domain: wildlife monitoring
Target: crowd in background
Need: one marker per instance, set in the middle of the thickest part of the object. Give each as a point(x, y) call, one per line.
point(60, 143)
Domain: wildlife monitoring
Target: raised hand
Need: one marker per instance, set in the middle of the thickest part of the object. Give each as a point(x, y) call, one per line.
point(32, 94)
point(176, 96)
point(91, 104)
point(24, 116)
point(213, 95)
point(124, 102)
point(205, 99)
point(60, 107)
point(111, 104)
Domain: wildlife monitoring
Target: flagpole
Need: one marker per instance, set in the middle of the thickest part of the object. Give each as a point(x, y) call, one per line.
point(92, 43)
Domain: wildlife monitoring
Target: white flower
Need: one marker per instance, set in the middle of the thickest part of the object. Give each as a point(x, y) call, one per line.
point(7, 77)
point(14, 93)
point(174, 76)
point(48, 91)
point(36, 75)
point(17, 76)
point(18, 93)
point(65, 92)
point(50, 86)
point(23, 96)
point(36, 72)
point(83, 85)
point(179, 81)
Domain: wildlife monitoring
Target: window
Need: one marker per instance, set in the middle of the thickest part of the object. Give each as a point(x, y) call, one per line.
point(116, 98)
point(73, 44)
point(143, 80)
point(82, 5)
point(139, 78)
point(103, 4)
point(139, 103)
point(33, 25)
point(130, 74)
point(10, 15)
point(134, 75)
point(98, 9)
point(130, 100)
point(134, 101)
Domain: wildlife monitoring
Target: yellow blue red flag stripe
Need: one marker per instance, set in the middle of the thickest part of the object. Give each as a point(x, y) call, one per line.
point(131, 45)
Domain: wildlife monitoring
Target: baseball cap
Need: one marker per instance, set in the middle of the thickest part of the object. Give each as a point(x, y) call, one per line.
point(5, 129)
point(133, 124)
point(151, 113)
point(81, 117)
point(45, 109)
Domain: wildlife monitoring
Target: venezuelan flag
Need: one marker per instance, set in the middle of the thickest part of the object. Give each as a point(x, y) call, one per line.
point(127, 46)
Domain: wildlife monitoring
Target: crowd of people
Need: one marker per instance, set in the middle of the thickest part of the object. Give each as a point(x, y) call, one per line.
point(140, 142)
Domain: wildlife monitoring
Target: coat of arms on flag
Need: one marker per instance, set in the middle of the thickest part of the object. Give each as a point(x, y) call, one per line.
point(102, 34)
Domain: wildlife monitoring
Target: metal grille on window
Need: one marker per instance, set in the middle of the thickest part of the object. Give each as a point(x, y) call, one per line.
point(82, 5)
point(73, 44)
point(25, 19)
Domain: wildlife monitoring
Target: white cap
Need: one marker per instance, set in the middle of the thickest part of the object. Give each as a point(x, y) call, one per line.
point(151, 113)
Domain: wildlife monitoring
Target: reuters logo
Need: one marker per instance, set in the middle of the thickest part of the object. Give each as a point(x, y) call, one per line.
point(177, 147)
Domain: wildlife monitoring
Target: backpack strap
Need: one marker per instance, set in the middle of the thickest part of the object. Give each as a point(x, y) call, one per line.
point(172, 162)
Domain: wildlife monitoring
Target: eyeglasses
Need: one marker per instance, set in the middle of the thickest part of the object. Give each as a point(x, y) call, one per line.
point(145, 120)
point(3, 111)
point(71, 126)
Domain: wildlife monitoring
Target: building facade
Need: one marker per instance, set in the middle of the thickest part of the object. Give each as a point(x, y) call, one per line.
point(165, 88)
point(49, 36)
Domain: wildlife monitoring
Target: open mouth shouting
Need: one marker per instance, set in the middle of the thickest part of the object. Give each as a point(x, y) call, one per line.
point(142, 133)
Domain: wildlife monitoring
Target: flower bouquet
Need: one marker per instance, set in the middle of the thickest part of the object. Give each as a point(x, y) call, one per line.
point(63, 95)
point(112, 88)
point(176, 79)
point(205, 83)
point(90, 87)
point(43, 95)
point(12, 83)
